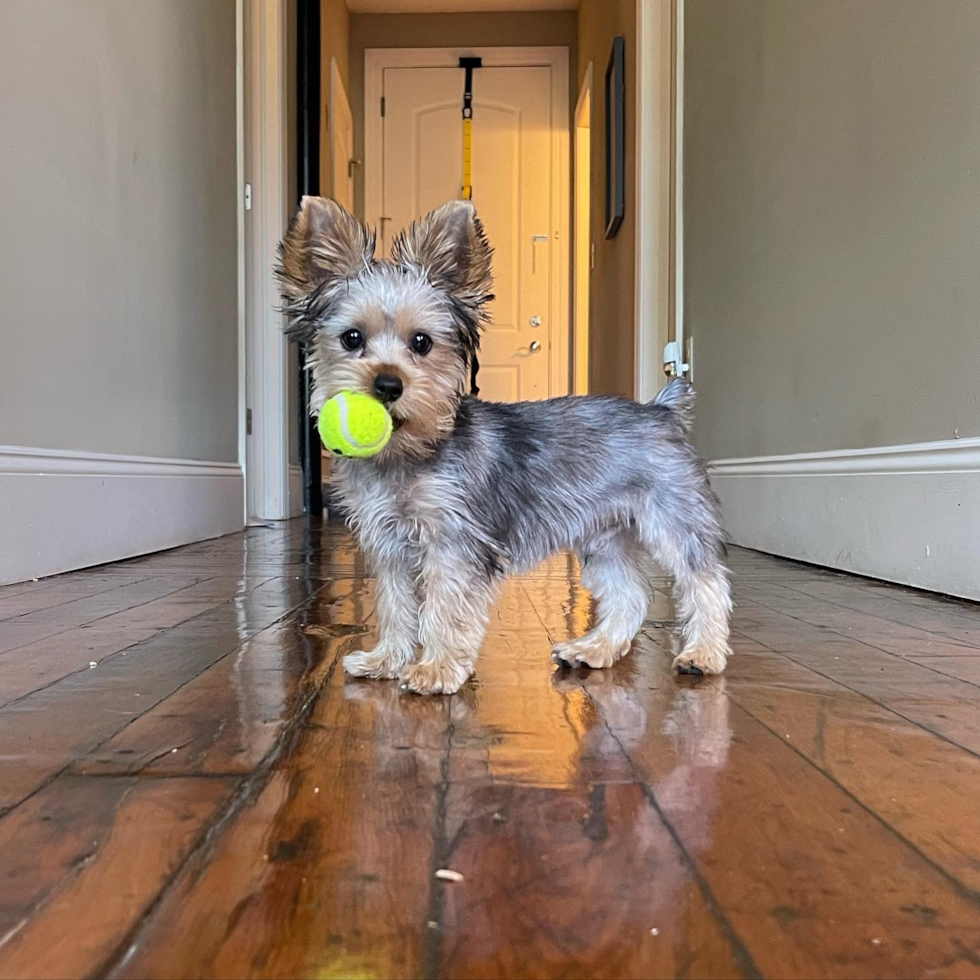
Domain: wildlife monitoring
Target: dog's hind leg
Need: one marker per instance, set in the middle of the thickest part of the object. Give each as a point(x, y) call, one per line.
point(691, 551)
point(613, 572)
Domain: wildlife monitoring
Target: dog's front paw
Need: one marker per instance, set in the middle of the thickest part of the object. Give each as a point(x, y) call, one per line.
point(435, 677)
point(701, 660)
point(377, 664)
point(590, 650)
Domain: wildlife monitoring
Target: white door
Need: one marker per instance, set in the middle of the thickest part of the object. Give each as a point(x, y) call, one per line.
point(512, 190)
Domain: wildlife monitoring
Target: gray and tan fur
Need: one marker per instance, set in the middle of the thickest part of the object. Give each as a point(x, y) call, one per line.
point(468, 491)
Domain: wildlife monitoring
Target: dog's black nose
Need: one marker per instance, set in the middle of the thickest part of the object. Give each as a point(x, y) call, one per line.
point(388, 388)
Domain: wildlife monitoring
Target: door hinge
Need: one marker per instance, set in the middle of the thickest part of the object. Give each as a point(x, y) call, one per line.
point(248, 421)
point(673, 365)
point(248, 197)
point(382, 105)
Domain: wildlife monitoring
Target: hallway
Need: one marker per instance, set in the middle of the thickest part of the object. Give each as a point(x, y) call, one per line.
point(189, 787)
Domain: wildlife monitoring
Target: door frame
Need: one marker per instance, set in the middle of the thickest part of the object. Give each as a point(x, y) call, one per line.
point(337, 101)
point(659, 192)
point(376, 60)
point(273, 486)
point(309, 102)
point(582, 234)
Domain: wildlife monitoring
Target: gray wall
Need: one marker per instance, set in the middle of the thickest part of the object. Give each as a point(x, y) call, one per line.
point(832, 221)
point(118, 328)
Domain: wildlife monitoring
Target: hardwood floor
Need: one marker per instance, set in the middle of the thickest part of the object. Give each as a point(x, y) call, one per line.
point(189, 787)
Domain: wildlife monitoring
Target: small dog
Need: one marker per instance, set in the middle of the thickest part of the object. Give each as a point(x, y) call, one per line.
point(468, 491)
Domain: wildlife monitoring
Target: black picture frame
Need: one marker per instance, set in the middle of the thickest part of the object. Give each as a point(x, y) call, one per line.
point(616, 137)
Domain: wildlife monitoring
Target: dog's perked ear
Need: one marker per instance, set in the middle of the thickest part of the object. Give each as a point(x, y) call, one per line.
point(324, 245)
point(449, 246)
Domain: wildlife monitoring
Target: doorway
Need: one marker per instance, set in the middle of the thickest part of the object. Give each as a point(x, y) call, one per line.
point(520, 164)
point(583, 238)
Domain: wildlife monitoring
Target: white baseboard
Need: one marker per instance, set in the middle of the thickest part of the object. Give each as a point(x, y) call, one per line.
point(908, 514)
point(62, 510)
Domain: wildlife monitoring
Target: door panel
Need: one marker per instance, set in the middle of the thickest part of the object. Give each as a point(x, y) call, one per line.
point(512, 174)
point(500, 382)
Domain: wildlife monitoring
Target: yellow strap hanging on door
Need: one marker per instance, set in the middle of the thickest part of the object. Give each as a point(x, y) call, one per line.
point(467, 192)
point(468, 64)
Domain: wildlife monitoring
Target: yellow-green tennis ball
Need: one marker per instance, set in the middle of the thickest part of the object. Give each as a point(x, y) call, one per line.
point(352, 424)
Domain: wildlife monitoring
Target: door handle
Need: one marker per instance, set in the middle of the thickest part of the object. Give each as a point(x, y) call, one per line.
point(532, 348)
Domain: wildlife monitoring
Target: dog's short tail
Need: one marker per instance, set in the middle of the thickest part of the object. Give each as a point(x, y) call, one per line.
point(678, 397)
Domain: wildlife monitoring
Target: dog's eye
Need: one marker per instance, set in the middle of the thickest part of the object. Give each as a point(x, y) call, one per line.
point(352, 339)
point(422, 343)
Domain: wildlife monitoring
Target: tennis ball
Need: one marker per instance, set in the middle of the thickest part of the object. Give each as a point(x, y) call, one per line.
point(352, 424)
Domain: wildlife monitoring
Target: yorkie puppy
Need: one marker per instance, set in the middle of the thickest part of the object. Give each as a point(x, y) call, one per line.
point(468, 491)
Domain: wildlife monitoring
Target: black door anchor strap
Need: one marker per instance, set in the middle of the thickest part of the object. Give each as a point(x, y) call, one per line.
point(466, 193)
point(474, 371)
point(468, 64)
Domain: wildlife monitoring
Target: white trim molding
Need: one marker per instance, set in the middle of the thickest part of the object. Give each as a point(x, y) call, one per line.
point(265, 161)
point(677, 212)
point(908, 514)
point(655, 147)
point(240, 55)
point(61, 510)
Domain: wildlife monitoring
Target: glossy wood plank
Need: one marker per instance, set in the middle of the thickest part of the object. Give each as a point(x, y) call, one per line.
point(810, 814)
point(46, 731)
point(89, 609)
point(228, 718)
point(516, 725)
point(942, 704)
point(45, 838)
point(49, 621)
point(83, 860)
point(587, 883)
point(895, 769)
point(955, 620)
point(801, 871)
point(42, 663)
point(963, 668)
point(325, 868)
point(881, 633)
point(32, 596)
